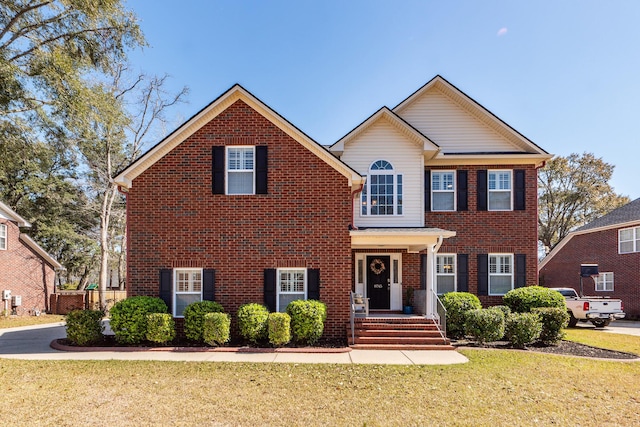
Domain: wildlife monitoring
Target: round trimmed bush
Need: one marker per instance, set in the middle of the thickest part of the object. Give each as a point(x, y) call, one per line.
point(457, 304)
point(522, 328)
point(161, 328)
point(217, 328)
point(129, 317)
point(279, 329)
point(84, 327)
point(307, 320)
point(253, 321)
point(194, 318)
point(485, 325)
point(523, 300)
point(554, 320)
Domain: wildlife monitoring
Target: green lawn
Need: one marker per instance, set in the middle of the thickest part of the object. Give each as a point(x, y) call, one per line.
point(14, 321)
point(497, 387)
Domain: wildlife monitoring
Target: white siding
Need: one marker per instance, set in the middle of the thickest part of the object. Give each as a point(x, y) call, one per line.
point(451, 127)
point(383, 142)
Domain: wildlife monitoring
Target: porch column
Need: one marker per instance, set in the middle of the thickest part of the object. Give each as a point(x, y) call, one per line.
point(432, 250)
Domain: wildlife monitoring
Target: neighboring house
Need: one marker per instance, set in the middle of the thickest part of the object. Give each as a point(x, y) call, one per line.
point(25, 268)
point(238, 205)
point(611, 241)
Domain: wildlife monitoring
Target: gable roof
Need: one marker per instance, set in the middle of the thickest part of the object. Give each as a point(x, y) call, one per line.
point(125, 177)
point(397, 122)
point(524, 149)
point(624, 216)
point(10, 214)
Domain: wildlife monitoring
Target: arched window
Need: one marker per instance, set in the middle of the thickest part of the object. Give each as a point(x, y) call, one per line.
point(382, 194)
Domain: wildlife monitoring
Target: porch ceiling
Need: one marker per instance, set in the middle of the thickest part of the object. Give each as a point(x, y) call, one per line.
point(412, 239)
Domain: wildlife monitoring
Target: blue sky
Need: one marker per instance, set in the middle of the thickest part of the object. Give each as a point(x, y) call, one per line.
point(564, 73)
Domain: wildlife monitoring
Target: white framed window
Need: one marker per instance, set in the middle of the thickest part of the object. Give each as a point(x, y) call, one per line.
point(445, 273)
point(443, 189)
point(187, 288)
point(604, 282)
point(382, 194)
point(629, 240)
point(292, 285)
point(500, 273)
point(240, 170)
point(500, 194)
point(3, 237)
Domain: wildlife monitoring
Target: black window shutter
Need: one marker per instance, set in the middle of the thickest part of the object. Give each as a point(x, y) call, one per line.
point(483, 274)
point(217, 170)
point(427, 190)
point(462, 192)
point(521, 271)
point(519, 202)
point(270, 288)
point(423, 271)
point(261, 169)
point(166, 287)
point(462, 273)
point(313, 283)
point(208, 284)
point(482, 190)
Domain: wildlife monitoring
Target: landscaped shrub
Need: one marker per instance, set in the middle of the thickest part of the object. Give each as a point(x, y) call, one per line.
point(522, 328)
point(279, 329)
point(253, 321)
point(554, 320)
point(194, 318)
point(129, 317)
point(84, 327)
point(307, 320)
point(485, 325)
point(160, 328)
point(505, 310)
point(457, 304)
point(216, 328)
point(523, 300)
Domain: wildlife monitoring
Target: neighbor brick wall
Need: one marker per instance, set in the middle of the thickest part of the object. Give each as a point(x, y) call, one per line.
point(25, 273)
point(599, 247)
point(174, 220)
point(483, 232)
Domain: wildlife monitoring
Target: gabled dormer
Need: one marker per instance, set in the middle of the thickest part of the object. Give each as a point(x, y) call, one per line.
point(391, 154)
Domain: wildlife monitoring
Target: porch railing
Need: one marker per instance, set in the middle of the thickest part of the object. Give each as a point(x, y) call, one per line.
point(352, 315)
point(440, 314)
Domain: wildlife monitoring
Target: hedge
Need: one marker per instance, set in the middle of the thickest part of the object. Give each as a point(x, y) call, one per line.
point(129, 317)
point(457, 304)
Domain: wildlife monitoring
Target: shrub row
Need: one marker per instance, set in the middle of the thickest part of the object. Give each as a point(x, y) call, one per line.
point(529, 314)
point(145, 318)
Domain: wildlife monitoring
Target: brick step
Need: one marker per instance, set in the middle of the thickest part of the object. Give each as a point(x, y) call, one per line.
point(396, 326)
point(402, 347)
point(397, 333)
point(400, 340)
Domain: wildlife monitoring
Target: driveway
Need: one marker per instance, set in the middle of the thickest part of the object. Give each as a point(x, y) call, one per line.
point(627, 327)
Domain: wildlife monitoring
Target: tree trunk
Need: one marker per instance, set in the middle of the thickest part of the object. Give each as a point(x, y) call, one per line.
point(105, 217)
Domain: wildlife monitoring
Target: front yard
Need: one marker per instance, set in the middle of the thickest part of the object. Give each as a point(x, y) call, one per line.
point(499, 387)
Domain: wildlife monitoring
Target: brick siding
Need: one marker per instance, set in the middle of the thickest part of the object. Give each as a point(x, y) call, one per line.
point(24, 273)
point(174, 220)
point(484, 232)
point(598, 247)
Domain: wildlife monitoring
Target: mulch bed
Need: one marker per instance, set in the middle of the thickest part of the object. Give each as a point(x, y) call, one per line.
point(568, 348)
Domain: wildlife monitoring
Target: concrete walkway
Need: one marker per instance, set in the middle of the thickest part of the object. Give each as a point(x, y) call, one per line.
point(33, 343)
point(626, 327)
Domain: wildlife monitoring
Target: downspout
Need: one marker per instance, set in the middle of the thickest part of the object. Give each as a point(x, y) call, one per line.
point(352, 226)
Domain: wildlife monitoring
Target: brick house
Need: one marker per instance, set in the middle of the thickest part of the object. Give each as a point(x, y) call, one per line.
point(25, 268)
point(238, 205)
point(611, 241)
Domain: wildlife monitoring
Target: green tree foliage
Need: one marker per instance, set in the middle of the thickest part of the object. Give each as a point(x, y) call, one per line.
point(573, 191)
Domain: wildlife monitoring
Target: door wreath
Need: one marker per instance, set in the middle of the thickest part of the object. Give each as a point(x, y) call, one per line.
point(377, 266)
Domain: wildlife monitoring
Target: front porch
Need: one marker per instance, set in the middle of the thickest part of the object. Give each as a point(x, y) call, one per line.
point(396, 331)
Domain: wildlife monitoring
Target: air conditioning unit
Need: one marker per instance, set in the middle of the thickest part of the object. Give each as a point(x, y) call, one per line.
point(6, 294)
point(16, 301)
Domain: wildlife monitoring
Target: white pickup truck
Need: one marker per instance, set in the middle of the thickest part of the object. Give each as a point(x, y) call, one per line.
point(598, 310)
